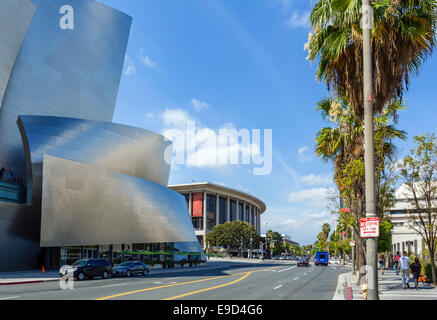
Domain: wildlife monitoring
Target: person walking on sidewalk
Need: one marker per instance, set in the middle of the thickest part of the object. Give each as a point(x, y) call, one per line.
point(396, 263)
point(382, 263)
point(416, 269)
point(405, 269)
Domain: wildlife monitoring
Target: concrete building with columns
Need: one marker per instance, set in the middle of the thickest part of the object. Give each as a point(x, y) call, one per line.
point(404, 237)
point(210, 204)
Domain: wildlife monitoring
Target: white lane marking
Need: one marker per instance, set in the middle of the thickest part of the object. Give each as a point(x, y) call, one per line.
point(305, 274)
point(164, 282)
point(296, 278)
point(287, 269)
point(332, 267)
point(114, 285)
point(277, 287)
point(13, 297)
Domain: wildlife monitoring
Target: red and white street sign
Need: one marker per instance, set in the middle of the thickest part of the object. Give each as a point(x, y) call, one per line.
point(369, 227)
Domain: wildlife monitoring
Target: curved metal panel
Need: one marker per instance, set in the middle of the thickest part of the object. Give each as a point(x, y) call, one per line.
point(72, 73)
point(120, 148)
point(15, 17)
point(86, 205)
point(67, 73)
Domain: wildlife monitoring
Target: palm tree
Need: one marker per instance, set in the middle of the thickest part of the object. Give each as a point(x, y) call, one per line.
point(403, 36)
point(342, 144)
point(343, 141)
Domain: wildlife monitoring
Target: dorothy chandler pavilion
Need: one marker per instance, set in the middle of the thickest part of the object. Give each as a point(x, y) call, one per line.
point(71, 180)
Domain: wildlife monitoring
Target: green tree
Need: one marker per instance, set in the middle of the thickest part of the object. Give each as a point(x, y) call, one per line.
point(342, 144)
point(384, 239)
point(234, 235)
point(419, 172)
point(322, 237)
point(275, 242)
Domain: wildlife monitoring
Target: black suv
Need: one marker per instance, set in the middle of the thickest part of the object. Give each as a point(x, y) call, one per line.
point(88, 268)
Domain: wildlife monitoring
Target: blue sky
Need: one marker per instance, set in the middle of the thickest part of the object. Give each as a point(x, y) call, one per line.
point(241, 64)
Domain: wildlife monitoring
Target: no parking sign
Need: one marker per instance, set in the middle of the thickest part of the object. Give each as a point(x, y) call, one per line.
point(369, 227)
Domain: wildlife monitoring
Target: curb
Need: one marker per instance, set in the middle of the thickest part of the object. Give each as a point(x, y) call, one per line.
point(340, 293)
point(26, 282)
point(151, 273)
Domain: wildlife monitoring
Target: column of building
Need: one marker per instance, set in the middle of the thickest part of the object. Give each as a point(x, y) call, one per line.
point(228, 209)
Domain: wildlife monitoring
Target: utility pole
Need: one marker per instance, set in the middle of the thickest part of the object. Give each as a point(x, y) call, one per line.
point(369, 146)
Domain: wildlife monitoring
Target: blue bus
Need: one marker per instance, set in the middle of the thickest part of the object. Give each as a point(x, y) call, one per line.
point(322, 257)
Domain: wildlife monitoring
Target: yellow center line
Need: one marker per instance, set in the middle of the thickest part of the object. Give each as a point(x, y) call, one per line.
point(180, 284)
point(211, 288)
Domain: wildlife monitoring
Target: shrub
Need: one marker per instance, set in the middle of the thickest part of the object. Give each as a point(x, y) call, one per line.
point(427, 270)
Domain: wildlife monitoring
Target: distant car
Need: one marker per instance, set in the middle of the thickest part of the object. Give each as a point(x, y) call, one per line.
point(334, 261)
point(303, 262)
point(129, 268)
point(87, 268)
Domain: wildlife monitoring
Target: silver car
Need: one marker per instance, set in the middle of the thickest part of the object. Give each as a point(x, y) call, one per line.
point(129, 268)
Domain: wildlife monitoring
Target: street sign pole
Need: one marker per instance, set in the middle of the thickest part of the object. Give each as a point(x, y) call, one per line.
point(369, 145)
point(353, 250)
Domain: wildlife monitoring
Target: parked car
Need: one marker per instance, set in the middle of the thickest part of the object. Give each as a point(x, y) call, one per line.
point(129, 268)
point(303, 262)
point(87, 268)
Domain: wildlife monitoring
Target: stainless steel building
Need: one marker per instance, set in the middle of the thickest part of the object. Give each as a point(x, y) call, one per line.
point(211, 204)
point(72, 178)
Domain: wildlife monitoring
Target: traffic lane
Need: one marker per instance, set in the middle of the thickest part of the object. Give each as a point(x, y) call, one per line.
point(318, 285)
point(190, 287)
point(293, 284)
point(257, 286)
point(92, 289)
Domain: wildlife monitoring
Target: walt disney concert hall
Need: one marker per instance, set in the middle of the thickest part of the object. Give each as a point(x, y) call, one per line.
point(72, 183)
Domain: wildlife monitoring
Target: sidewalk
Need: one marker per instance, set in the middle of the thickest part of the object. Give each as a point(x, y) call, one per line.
point(390, 288)
point(36, 276)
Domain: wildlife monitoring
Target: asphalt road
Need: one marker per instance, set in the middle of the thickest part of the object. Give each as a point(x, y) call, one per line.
point(263, 281)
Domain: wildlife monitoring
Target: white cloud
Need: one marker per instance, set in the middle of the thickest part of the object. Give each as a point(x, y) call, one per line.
point(150, 115)
point(313, 180)
point(147, 61)
point(309, 215)
point(130, 67)
point(298, 20)
point(304, 155)
point(315, 196)
point(175, 118)
point(199, 105)
point(300, 226)
point(207, 145)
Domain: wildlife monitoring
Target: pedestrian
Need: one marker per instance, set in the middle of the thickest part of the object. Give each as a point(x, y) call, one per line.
point(405, 269)
point(396, 263)
point(10, 174)
point(416, 269)
point(382, 263)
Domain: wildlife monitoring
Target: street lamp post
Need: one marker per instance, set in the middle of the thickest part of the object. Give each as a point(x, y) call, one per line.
point(249, 256)
point(369, 145)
